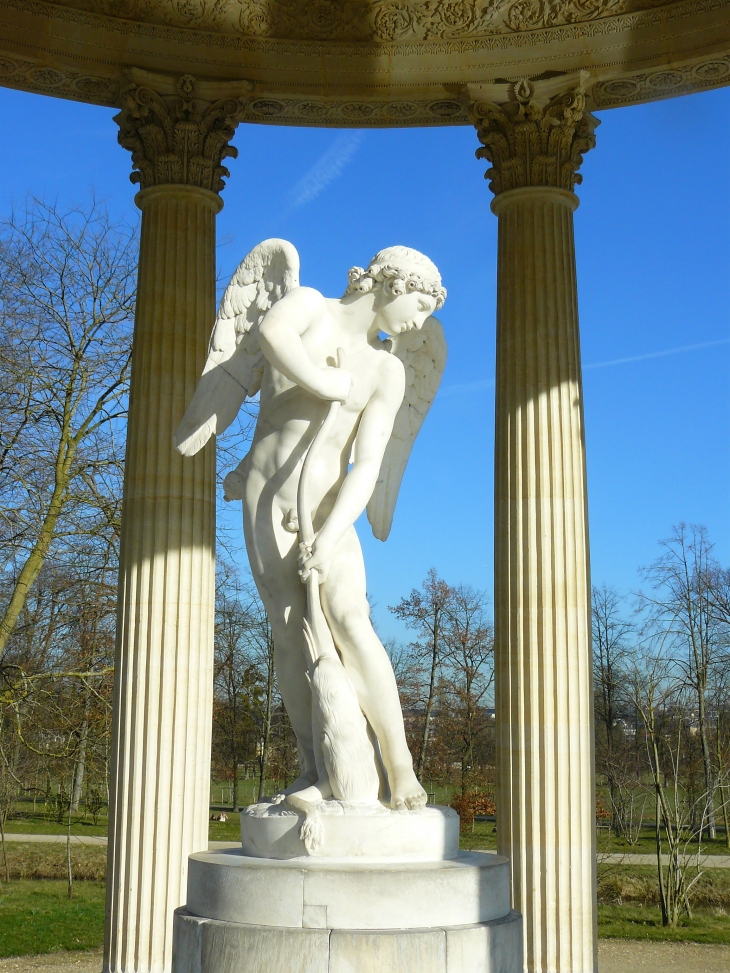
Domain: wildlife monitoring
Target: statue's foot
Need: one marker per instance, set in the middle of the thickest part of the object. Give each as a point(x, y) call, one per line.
point(302, 781)
point(406, 794)
point(308, 788)
point(321, 791)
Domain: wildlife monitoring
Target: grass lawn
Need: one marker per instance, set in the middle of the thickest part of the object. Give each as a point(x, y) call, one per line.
point(482, 838)
point(37, 917)
point(26, 821)
point(645, 922)
point(628, 897)
point(229, 830)
point(38, 860)
point(646, 845)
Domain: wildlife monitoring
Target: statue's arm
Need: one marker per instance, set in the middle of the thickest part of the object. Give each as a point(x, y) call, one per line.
point(376, 425)
point(280, 336)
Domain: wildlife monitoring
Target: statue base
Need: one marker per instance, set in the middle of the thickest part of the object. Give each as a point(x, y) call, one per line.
point(310, 915)
point(341, 831)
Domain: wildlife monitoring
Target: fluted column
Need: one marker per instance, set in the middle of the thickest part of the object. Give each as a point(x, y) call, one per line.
point(160, 775)
point(545, 770)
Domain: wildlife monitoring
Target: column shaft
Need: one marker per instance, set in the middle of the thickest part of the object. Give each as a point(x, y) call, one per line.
point(161, 744)
point(545, 776)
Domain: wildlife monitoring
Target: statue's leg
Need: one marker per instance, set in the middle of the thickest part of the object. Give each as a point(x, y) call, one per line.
point(347, 611)
point(273, 557)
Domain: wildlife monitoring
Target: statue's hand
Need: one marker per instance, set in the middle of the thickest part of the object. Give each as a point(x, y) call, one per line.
point(317, 557)
point(334, 384)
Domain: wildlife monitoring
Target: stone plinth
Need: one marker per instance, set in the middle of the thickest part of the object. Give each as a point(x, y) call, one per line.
point(209, 946)
point(318, 916)
point(372, 834)
point(308, 892)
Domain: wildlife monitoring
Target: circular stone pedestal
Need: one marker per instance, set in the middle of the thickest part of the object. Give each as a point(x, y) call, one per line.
point(309, 915)
point(366, 833)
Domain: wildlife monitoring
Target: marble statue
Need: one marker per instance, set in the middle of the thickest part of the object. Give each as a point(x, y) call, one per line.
point(339, 411)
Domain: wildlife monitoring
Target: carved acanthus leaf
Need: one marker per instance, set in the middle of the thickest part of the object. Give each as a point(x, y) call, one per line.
point(533, 145)
point(179, 139)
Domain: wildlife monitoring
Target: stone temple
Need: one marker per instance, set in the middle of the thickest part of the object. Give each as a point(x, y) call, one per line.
point(527, 75)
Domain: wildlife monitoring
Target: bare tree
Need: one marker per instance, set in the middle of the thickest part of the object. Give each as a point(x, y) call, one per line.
point(235, 683)
point(610, 651)
point(719, 598)
point(680, 608)
point(426, 611)
point(67, 282)
point(469, 664)
point(66, 311)
point(261, 652)
point(659, 692)
point(246, 696)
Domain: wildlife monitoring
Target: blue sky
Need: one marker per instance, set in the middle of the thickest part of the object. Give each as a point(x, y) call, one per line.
point(653, 252)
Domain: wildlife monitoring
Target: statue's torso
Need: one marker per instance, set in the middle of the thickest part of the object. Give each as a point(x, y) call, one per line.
point(289, 418)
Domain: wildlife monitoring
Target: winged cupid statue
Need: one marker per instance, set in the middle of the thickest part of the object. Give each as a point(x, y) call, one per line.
point(339, 411)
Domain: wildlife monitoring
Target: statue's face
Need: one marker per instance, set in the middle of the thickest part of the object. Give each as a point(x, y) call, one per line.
point(405, 312)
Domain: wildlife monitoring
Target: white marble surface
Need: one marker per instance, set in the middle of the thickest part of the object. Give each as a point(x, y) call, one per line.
point(211, 946)
point(339, 411)
point(472, 888)
point(376, 834)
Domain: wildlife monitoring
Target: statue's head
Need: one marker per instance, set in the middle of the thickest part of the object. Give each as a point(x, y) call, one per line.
point(406, 284)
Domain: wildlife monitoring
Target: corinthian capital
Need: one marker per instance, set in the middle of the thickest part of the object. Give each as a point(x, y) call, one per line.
point(533, 144)
point(178, 138)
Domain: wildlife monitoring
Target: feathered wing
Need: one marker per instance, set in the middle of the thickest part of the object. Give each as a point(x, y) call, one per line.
point(235, 364)
point(423, 354)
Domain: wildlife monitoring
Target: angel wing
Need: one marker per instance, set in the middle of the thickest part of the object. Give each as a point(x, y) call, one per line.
point(235, 364)
point(424, 355)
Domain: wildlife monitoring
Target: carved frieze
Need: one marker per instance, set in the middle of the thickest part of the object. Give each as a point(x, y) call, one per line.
point(530, 144)
point(379, 21)
point(662, 82)
point(356, 113)
point(32, 75)
point(179, 139)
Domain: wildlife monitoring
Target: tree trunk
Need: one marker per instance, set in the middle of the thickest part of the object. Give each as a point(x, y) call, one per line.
point(725, 796)
point(68, 855)
point(660, 870)
point(263, 768)
point(709, 775)
point(5, 850)
point(721, 777)
point(429, 703)
point(36, 559)
point(700, 655)
point(80, 768)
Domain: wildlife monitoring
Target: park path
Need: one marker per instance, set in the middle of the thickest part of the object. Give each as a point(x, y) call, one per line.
point(708, 861)
point(629, 956)
point(90, 839)
point(76, 839)
point(614, 956)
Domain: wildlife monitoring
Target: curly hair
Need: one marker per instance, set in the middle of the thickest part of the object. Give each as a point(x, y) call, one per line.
point(400, 270)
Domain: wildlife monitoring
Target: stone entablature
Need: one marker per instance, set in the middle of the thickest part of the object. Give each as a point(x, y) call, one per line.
point(375, 21)
point(632, 55)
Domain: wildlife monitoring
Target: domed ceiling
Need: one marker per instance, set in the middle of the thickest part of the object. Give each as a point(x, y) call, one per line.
point(364, 62)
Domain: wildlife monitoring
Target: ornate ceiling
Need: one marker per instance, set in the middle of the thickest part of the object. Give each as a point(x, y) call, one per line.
point(364, 62)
